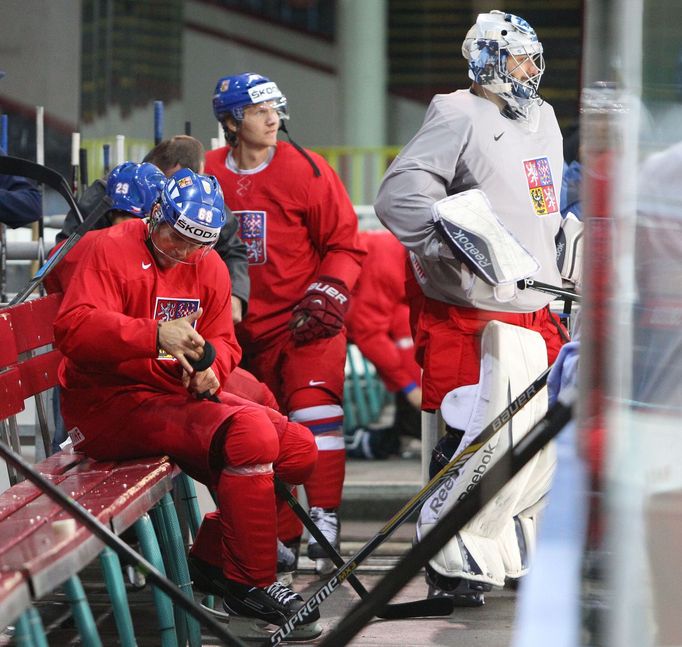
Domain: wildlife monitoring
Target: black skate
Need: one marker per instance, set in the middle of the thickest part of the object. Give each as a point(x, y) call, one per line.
point(252, 612)
point(463, 592)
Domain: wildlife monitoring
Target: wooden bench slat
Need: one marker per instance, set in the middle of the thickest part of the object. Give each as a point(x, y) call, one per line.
point(39, 373)
point(11, 393)
point(32, 321)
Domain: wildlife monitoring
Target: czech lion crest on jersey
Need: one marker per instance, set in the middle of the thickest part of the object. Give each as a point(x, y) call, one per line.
point(169, 308)
point(541, 186)
point(252, 232)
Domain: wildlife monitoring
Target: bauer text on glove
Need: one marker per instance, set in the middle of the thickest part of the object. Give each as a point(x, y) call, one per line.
point(321, 311)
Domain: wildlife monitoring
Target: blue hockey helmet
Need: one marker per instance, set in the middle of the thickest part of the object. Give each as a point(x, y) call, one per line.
point(234, 93)
point(495, 46)
point(134, 188)
point(193, 206)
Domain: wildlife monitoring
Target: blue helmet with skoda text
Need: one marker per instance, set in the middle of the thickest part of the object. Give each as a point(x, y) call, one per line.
point(234, 93)
point(193, 205)
point(495, 46)
point(134, 188)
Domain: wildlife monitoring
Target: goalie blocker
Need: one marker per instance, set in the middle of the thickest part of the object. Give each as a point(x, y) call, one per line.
point(499, 541)
point(494, 262)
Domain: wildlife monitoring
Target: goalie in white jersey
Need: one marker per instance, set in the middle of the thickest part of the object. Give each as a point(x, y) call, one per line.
point(499, 142)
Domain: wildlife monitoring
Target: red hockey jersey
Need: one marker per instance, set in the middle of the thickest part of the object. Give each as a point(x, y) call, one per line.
point(107, 323)
point(378, 318)
point(296, 227)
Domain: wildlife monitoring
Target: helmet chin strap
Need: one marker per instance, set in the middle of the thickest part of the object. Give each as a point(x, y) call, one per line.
point(300, 149)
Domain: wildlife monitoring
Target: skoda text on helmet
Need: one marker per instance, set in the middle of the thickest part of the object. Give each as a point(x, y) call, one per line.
point(234, 93)
point(193, 207)
point(497, 44)
point(134, 188)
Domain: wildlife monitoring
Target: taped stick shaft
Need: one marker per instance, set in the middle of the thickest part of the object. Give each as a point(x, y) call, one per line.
point(532, 284)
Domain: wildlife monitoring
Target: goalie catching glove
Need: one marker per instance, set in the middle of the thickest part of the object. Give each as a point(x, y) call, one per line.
point(321, 312)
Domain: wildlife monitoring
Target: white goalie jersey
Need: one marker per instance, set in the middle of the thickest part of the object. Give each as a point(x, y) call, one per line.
point(465, 143)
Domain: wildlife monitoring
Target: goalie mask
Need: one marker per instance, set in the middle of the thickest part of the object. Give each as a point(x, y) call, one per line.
point(187, 219)
point(505, 57)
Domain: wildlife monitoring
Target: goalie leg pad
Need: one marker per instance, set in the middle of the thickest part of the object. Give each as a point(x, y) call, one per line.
point(512, 358)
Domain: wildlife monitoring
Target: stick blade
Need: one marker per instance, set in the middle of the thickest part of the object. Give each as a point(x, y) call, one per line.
point(428, 607)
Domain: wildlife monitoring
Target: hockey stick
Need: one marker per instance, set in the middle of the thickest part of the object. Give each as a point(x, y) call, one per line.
point(49, 177)
point(416, 609)
point(532, 284)
point(450, 470)
point(441, 606)
point(127, 554)
point(456, 518)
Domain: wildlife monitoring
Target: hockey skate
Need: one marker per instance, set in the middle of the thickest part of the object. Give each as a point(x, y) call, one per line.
point(463, 592)
point(252, 613)
point(328, 523)
point(287, 561)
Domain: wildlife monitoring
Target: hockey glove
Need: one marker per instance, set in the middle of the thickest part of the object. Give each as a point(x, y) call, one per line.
point(321, 311)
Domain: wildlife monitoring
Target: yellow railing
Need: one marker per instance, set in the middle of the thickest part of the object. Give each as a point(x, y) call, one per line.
point(360, 168)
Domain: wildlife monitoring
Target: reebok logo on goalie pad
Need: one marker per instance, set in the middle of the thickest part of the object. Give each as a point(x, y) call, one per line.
point(441, 497)
point(473, 252)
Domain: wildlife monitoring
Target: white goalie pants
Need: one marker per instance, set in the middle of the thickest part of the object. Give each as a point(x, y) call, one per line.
point(499, 541)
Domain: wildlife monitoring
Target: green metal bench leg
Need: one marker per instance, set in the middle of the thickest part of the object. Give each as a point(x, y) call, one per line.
point(23, 634)
point(82, 614)
point(165, 519)
point(188, 498)
point(164, 607)
point(358, 395)
point(37, 629)
point(111, 566)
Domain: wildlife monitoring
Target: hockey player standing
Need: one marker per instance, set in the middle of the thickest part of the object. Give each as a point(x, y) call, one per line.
point(378, 324)
point(501, 138)
point(304, 257)
point(157, 293)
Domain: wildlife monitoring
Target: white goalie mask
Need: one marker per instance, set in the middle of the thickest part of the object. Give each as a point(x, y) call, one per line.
point(495, 47)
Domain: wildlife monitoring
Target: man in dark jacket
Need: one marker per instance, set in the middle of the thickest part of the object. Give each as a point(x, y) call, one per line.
point(20, 202)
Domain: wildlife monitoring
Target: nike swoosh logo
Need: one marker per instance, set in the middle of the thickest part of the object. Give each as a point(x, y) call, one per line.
point(146, 266)
point(496, 137)
point(315, 383)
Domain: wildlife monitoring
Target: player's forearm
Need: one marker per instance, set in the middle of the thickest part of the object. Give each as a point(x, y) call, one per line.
point(86, 334)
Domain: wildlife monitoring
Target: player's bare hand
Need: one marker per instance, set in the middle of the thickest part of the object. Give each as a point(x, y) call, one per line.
point(201, 382)
point(237, 310)
point(178, 338)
